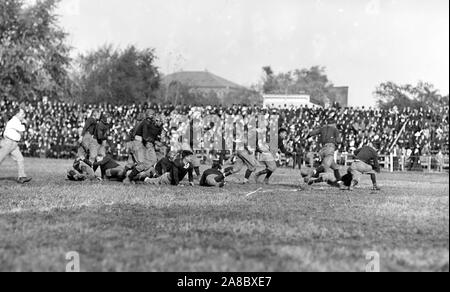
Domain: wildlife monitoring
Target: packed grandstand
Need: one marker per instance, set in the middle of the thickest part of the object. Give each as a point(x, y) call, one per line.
point(54, 127)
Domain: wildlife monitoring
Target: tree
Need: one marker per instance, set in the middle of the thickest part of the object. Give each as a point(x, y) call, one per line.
point(118, 76)
point(34, 57)
point(312, 81)
point(423, 95)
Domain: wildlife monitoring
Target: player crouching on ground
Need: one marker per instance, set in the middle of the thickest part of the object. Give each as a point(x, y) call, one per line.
point(81, 171)
point(110, 168)
point(213, 177)
point(177, 172)
point(366, 162)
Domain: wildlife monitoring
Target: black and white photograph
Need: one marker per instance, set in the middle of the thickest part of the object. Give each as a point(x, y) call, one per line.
point(224, 141)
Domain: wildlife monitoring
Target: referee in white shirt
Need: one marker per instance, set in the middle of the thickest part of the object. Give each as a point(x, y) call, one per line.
point(9, 145)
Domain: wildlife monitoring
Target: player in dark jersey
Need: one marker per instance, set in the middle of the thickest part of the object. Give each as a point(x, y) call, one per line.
point(100, 138)
point(147, 134)
point(177, 172)
point(163, 166)
point(213, 177)
point(366, 162)
point(87, 135)
point(110, 168)
point(329, 138)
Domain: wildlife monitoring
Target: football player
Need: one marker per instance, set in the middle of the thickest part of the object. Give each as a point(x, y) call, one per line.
point(366, 162)
point(177, 171)
point(329, 138)
point(82, 170)
point(87, 141)
point(213, 177)
point(243, 158)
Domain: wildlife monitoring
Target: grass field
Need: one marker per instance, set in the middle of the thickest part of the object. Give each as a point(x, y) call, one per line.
point(115, 227)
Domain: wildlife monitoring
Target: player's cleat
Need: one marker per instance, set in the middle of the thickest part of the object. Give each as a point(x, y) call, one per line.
point(222, 184)
point(246, 182)
point(24, 180)
point(353, 185)
point(341, 185)
point(266, 181)
point(376, 188)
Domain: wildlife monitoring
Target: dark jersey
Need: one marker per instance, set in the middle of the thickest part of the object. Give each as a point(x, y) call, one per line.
point(101, 132)
point(149, 131)
point(89, 126)
point(105, 164)
point(178, 171)
point(327, 135)
point(163, 166)
point(212, 171)
point(368, 155)
point(281, 146)
point(134, 130)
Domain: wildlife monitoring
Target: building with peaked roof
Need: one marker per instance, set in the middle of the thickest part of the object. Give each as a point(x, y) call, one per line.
point(202, 81)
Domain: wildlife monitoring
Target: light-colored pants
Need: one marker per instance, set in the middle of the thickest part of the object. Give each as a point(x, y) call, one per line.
point(164, 179)
point(268, 160)
point(90, 144)
point(11, 148)
point(245, 159)
point(359, 167)
point(270, 165)
point(143, 155)
point(327, 155)
point(211, 180)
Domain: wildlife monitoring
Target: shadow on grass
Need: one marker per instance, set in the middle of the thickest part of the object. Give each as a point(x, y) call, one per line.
point(12, 179)
point(134, 237)
point(147, 237)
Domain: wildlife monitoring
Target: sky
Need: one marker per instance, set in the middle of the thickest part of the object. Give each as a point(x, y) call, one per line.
point(360, 42)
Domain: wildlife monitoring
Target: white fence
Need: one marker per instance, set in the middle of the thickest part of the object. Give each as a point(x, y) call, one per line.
point(402, 163)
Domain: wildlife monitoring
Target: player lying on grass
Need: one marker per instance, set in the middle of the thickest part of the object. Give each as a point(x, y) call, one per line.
point(81, 171)
point(177, 171)
point(323, 177)
point(213, 177)
point(366, 162)
point(243, 158)
point(110, 168)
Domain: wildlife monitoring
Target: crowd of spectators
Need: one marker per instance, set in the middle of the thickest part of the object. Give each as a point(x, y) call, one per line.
point(54, 127)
